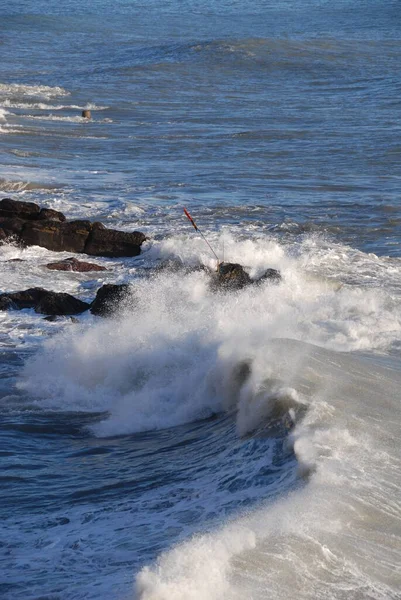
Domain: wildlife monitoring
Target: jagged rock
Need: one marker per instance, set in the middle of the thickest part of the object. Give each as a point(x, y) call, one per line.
point(16, 208)
point(48, 214)
point(72, 264)
point(113, 243)
point(53, 235)
point(33, 226)
point(271, 275)
point(111, 299)
point(231, 276)
point(43, 301)
point(11, 226)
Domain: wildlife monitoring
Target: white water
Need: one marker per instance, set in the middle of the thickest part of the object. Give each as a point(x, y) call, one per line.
point(339, 536)
point(171, 358)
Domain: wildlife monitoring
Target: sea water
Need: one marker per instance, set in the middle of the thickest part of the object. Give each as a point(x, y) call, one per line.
point(203, 445)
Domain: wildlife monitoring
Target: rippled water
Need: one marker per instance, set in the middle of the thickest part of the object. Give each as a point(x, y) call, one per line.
point(206, 446)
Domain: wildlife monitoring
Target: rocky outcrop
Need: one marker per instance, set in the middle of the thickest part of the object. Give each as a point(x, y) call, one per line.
point(43, 302)
point(22, 210)
point(72, 264)
point(113, 243)
point(231, 276)
point(70, 236)
point(111, 299)
point(30, 225)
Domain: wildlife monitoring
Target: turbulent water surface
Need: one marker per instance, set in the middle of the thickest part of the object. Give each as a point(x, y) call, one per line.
point(206, 445)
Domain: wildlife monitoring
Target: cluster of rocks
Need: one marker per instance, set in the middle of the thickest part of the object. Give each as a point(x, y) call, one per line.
point(31, 225)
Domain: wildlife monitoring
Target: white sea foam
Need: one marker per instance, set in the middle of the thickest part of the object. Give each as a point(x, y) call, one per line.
point(46, 106)
point(17, 90)
point(172, 357)
point(337, 537)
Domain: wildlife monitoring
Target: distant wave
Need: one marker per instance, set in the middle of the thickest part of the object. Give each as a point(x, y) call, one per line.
point(7, 185)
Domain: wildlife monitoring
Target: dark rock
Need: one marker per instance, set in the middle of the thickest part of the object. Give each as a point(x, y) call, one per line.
point(72, 264)
point(16, 208)
point(68, 237)
point(48, 214)
point(113, 243)
point(231, 276)
point(271, 275)
point(33, 226)
point(12, 226)
point(43, 301)
point(98, 225)
point(111, 299)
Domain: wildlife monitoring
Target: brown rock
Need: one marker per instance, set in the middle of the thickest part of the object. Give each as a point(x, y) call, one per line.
point(16, 208)
point(12, 226)
point(231, 276)
point(113, 243)
point(48, 214)
point(43, 301)
point(68, 237)
point(72, 264)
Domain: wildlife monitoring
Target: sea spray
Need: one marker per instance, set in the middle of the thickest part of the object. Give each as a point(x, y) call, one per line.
point(171, 358)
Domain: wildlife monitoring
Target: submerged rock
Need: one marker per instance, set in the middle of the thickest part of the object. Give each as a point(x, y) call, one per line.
point(271, 275)
point(72, 264)
point(110, 299)
point(43, 302)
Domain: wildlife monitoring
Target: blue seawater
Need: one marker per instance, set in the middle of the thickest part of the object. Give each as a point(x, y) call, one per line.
point(203, 445)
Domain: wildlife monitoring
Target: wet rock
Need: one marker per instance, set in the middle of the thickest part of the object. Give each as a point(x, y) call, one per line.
point(12, 226)
point(16, 208)
point(110, 299)
point(72, 264)
point(43, 302)
point(48, 214)
point(271, 275)
point(113, 243)
point(231, 276)
point(53, 235)
point(33, 226)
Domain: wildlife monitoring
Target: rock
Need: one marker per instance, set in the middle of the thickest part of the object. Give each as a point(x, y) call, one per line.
point(111, 299)
point(113, 243)
point(33, 226)
point(86, 114)
point(16, 208)
point(72, 264)
point(43, 301)
point(12, 226)
point(231, 276)
point(48, 214)
point(68, 237)
point(271, 275)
